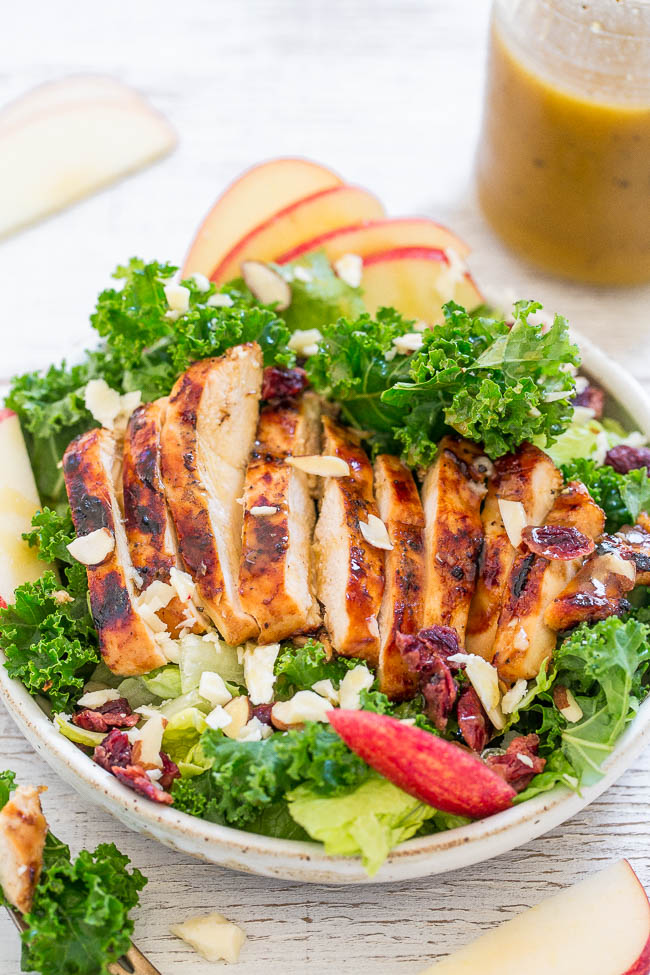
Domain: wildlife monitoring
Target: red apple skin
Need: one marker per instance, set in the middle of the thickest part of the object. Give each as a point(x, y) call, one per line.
point(642, 965)
point(6, 413)
point(407, 253)
point(431, 769)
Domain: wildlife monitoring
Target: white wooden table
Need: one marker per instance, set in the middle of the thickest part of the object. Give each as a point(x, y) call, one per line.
point(388, 93)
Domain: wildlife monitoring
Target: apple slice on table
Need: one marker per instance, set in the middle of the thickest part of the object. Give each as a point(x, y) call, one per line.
point(431, 769)
point(339, 206)
point(257, 195)
point(18, 502)
point(379, 236)
point(70, 147)
point(417, 281)
point(53, 96)
point(600, 926)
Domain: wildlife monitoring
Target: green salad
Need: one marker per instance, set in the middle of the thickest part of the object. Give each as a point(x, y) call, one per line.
point(196, 732)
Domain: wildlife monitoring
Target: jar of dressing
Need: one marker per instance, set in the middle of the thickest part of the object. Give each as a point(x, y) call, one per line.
point(564, 156)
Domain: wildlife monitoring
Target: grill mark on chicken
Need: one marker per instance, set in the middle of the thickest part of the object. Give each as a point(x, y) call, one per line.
point(451, 494)
point(22, 839)
point(350, 571)
point(530, 477)
point(127, 644)
point(276, 566)
point(524, 640)
point(595, 593)
point(207, 437)
point(149, 528)
point(400, 508)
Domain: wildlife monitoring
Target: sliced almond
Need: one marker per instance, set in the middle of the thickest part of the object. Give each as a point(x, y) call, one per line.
point(240, 713)
point(321, 464)
point(266, 284)
point(513, 515)
point(611, 562)
point(411, 342)
point(566, 704)
point(92, 549)
point(349, 268)
point(514, 696)
point(263, 510)
point(376, 533)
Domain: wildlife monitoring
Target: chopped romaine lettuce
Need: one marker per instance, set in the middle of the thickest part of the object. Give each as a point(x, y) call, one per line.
point(200, 654)
point(182, 732)
point(165, 682)
point(80, 736)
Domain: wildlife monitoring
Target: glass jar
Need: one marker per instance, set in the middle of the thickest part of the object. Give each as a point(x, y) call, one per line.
point(564, 156)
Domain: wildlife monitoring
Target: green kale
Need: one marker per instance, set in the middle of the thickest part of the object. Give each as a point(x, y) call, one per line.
point(318, 295)
point(51, 533)
point(49, 639)
point(79, 922)
point(7, 785)
point(248, 777)
point(299, 668)
point(351, 368)
point(604, 666)
point(489, 382)
point(621, 496)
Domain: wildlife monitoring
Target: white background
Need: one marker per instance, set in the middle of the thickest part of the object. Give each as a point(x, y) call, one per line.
point(389, 94)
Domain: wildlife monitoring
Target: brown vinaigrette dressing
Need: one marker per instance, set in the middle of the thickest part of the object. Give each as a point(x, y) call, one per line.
point(564, 161)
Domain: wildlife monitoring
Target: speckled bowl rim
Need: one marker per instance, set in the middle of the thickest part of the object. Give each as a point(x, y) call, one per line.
point(307, 862)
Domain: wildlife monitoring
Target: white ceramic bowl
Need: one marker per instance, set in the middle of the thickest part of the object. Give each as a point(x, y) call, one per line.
point(307, 862)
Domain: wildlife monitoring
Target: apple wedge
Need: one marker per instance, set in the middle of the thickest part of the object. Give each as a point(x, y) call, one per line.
point(18, 502)
point(379, 236)
point(53, 96)
point(417, 281)
point(431, 769)
point(53, 156)
point(600, 926)
point(257, 195)
point(339, 206)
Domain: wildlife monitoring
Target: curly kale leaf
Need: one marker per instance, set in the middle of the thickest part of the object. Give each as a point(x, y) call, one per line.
point(7, 785)
point(49, 640)
point(247, 777)
point(621, 496)
point(79, 921)
point(299, 668)
point(491, 383)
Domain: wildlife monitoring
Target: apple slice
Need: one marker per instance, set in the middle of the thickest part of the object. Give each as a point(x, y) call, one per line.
point(431, 769)
point(339, 206)
point(417, 281)
point(18, 502)
point(53, 156)
point(55, 96)
point(379, 236)
point(600, 926)
point(250, 200)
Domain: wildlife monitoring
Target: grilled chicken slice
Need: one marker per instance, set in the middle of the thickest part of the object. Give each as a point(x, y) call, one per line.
point(401, 609)
point(275, 577)
point(149, 528)
point(524, 640)
point(350, 571)
point(529, 477)
point(632, 542)
point(206, 441)
point(451, 494)
point(22, 837)
point(92, 471)
point(596, 592)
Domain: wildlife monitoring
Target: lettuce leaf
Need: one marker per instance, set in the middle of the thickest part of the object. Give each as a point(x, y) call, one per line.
point(318, 296)
point(79, 922)
point(368, 822)
point(299, 668)
point(7, 785)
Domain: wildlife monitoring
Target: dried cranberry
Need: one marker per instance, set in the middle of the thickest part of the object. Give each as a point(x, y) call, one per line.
point(472, 720)
point(113, 714)
point(625, 458)
point(440, 694)
point(279, 383)
point(557, 542)
point(593, 397)
point(169, 771)
point(135, 777)
point(263, 713)
point(419, 652)
point(520, 764)
point(114, 750)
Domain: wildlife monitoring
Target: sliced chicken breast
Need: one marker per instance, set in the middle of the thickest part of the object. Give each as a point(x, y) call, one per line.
point(92, 471)
point(22, 838)
point(276, 571)
point(400, 508)
point(524, 640)
point(632, 542)
point(149, 528)
point(596, 592)
point(207, 437)
point(453, 490)
point(529, 477)
point(350, 571)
